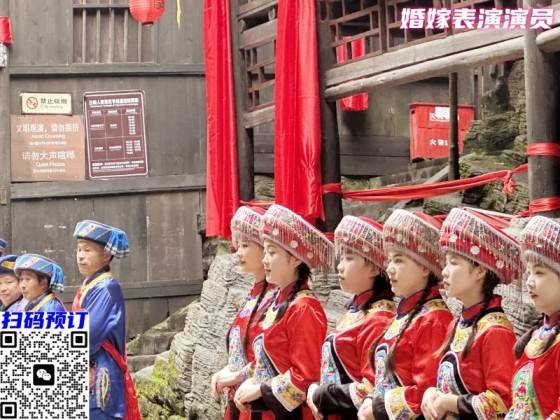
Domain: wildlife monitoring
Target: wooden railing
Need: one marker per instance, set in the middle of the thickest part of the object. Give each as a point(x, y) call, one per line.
point(379, 23)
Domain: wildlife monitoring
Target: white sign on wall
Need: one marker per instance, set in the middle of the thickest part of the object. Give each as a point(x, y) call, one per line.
point(46, 103)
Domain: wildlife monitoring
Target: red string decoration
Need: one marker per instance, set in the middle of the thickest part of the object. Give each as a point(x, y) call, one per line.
point(5, 30)
point(543, 149)
point(541, 205)
point(332, 188)
point(416, 192)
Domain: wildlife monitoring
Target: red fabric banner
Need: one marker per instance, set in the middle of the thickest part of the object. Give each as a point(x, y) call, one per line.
point(297, 127)
point(222, 195)
point(357, 102)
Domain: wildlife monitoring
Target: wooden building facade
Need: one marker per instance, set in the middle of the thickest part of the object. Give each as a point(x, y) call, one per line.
point(77, 46)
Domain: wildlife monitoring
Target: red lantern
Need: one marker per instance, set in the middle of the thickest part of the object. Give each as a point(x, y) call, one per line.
point(146, 11)
point(5, 30)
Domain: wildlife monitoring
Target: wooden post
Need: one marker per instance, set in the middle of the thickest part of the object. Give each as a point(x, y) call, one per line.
point(245, 147)
point(5, 150)
point(330, 147)
point(541, 93)
point(453, 129)
point(330, 151)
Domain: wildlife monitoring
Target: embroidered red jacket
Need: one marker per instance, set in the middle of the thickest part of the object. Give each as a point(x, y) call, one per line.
point(346, 373)
point(241, 357)
point(399, 395)
point(288, 355)
point(536, 384)
point(481, 379)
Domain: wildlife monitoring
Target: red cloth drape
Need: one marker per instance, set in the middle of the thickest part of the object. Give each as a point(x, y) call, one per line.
point(222, 195)
point(357, 102)
point(297, 126)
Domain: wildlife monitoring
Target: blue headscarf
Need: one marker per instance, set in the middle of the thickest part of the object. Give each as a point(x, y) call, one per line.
point(43, 266)
point(114, 239)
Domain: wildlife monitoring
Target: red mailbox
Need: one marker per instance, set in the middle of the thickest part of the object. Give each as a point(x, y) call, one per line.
point(429, 129)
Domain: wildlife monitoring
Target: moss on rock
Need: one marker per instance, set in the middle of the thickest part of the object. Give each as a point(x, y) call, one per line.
point(157, 396)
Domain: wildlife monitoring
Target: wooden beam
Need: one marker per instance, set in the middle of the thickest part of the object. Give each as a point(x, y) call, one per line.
point(245, 151)
point(259, 35)
point(330, 140)
point(503, 51)
point(364, 145)
point(417, 54)
point(549, 41)
point(5, 147)
point(98, 70)
point(259, 116)
point(542, 107)
point(114, 186)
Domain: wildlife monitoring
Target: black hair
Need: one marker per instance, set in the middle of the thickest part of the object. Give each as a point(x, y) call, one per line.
point(253, 312)
point(381, 288)
point(303, 272)
point(433, 280)
point(491, 280)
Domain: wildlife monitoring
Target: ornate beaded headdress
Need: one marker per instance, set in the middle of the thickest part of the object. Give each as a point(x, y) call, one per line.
point(468, 234)
point(540, 242)
point(247, 222)
point(416, 235)
point(298, 237)
point(361, 235)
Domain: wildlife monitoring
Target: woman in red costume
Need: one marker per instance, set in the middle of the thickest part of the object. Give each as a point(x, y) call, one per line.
point(288, 351)
point(245, 228)
point(536, 383)
point(477, 361)
point(346, 374)
point(405, 358)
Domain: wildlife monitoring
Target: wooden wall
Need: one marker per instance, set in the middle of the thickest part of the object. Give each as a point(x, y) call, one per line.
point(161, 213)
point(374, 142)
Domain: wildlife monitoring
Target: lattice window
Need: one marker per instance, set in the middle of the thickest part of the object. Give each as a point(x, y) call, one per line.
point(397, 37)
point(257, 42)
point(352, 20)
point(105, 32)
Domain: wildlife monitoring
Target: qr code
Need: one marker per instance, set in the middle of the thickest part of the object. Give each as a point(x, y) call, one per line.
point(44, 366)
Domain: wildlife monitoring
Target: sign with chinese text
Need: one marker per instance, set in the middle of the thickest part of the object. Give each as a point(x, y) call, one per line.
point(46, 103)
point(115, 132)
point(47, 148)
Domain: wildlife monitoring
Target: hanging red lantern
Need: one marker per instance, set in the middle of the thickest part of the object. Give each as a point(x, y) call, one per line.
point(146, 11)
point(5, 30)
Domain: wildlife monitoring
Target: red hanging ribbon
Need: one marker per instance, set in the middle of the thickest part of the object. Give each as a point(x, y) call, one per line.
point(334, 187)
point(416, 192)
point(543, 149)
point(5, 30)
point(541, 205)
